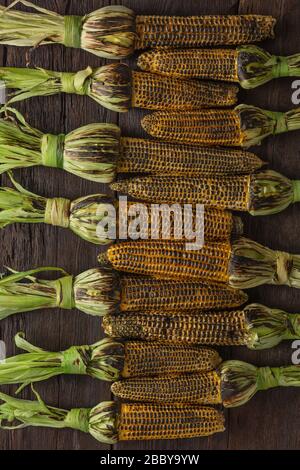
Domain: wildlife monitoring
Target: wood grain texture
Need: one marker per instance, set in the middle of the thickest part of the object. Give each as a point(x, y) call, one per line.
point(271, 419)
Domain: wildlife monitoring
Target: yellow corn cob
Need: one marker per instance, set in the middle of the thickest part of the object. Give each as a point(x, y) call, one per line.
point(150, 156)
point(219, 225)
point(139, 421)
point(216, 64)
point(141, 293)
point(196, 327)
point(227, 192)
point(194, 31)
point(142, 359)
point(202, 388)
point(207, 127)
point(151, 91)
point(170, 260)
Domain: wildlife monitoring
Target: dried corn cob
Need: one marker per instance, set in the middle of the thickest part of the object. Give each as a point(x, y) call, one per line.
point(150, 156)
point(203, 388)
point(194, 31)
point(109, 422)
point(115, 31)
point(195, 327)
point(242, 126)
point(95, 152)
point(117, 87)
point(263, 193)
point(250, 66)
point(148, 294)
point(104, 360)
point(242, 264)
point(256, 326)
point(233, 384)
point(218, 225)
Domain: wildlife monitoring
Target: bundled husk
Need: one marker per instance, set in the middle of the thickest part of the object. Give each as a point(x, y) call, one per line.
point(107, 32)
point(248, 65)
point(103, 360)
point(94, 291)
point(99, 421)
point(82, 216)
point(90, 152)
point(240, 381)
point(109, 85)
point(267, 327)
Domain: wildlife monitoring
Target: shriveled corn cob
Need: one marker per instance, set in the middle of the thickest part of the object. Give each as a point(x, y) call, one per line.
point(233, 384)
point(241, 264)
point(203, 388)
point(262, 193)
point(117, 87)
point(256, 326)
point(195, 327)
point(110, 422)
point(148, 294)
point(104, 360)
point(243, 126)
point(250, 66)
point(115, 31)
point(96, 152)
point(150, 156)
point(218, 225)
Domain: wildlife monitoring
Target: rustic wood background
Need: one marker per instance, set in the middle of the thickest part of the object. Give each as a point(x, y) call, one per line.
point(271, 419)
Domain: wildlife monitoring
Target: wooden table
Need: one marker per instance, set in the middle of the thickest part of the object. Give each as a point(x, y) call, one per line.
point(271, 419)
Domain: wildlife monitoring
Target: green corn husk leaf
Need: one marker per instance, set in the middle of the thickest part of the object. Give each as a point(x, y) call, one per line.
point(252, 264)
point(90, 152)
point(95, 292)
point(240, 381)
point(82, 216)
point(267, 327)
point(257, 66)
point(103, 360)
point(100, 421)
point(107, 32)
point(109, 85)
point(257, 124)
point(271, 192)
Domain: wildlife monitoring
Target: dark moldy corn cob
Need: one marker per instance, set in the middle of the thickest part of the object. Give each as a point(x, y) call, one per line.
point(241, 264)
point(256, 326)
point(194, 31)
point(147, 294)
point(155, 157)
point(194, 327)
point(110, 422)
point(250, 66)
point(243, 126)
point(116, 31)
point(263, 193)
point(203, 388)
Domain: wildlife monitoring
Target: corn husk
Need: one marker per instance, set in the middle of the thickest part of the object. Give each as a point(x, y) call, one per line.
point(267, 327)
point(99, 421)
point(103, 360)
point(240, 381)
point(109, 85)
point(95, 291)
point(90, 152)
point(107, 32)
point(81, 216)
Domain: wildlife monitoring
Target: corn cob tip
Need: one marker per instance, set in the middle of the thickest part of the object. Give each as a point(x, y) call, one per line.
point(237, 226)
point(150, 122)
point(119, 186)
